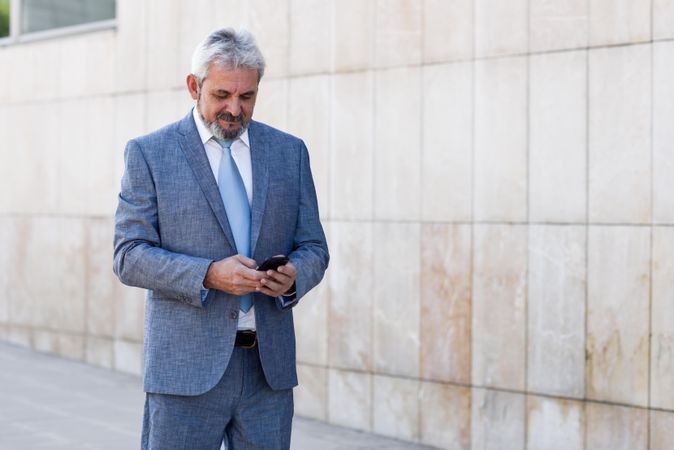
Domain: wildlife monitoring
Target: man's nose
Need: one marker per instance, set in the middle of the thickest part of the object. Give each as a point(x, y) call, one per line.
point(233, 107)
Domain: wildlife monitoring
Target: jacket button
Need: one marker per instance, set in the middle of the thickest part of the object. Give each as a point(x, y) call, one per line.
point(233, 315)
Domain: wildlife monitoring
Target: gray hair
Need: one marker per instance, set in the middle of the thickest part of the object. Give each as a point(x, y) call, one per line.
point(229, 49)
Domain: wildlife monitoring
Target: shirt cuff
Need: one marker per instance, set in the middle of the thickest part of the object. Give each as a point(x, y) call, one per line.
point(286, 301)
point(204, 295)
point(291, 291)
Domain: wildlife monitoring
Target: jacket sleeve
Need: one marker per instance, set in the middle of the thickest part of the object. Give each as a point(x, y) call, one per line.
point(310, 255)
point(138, 257)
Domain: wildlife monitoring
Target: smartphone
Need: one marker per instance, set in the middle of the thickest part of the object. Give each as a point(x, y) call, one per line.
point(273, 263)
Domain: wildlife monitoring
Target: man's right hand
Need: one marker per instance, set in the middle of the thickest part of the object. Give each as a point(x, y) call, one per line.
point(234, 275)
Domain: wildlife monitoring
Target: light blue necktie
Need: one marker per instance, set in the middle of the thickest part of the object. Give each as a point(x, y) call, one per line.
point(233, 193)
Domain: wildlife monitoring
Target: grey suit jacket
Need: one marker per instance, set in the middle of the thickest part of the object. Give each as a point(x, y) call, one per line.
point(171, 224)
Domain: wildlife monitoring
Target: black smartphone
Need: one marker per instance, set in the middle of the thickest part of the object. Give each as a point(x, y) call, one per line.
point(273, 263)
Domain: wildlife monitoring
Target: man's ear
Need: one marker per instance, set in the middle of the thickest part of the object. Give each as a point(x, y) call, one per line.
point(192, 86)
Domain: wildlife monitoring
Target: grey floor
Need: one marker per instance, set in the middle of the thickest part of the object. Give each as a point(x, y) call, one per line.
point(53, 403)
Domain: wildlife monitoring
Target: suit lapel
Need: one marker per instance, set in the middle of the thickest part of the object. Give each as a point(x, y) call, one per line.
point(194, 151)
point(259, 151)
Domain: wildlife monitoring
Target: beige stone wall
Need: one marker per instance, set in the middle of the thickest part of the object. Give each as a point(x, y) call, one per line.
point(496, 180)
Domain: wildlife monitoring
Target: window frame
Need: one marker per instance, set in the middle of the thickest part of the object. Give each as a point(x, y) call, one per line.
point(16, 37)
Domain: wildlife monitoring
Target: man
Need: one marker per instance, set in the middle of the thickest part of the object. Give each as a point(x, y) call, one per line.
point(203, 202)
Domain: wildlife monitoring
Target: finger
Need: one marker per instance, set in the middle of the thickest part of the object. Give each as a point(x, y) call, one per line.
point(269, 292)
point(248, 262)
point(270, 283)
point(243, 287)
point(288, 269)
point(272, 291)
point(278, 277)
point(248, 284)
point(251, 274)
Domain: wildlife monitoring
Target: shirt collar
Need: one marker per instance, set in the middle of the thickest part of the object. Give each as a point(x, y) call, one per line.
point(206, 135)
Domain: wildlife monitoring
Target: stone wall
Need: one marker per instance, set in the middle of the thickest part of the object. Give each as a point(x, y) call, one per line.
point(496, 180)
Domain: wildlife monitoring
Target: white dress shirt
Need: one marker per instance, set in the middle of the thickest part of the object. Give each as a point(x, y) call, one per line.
point(241, 156)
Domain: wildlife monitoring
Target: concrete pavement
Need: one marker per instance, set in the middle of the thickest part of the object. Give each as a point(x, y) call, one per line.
point(53, 403)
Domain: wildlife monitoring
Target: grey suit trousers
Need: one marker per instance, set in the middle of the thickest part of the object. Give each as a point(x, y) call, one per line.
point(241, 409)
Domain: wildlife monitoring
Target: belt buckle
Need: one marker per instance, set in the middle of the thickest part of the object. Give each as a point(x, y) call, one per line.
point(248, 347)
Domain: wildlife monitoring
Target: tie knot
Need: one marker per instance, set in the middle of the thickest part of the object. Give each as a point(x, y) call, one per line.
point(224, 143)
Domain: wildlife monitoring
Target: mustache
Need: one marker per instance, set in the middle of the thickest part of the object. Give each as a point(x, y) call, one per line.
point(230, 117)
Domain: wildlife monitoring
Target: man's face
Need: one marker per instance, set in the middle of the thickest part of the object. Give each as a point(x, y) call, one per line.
point(225, 100)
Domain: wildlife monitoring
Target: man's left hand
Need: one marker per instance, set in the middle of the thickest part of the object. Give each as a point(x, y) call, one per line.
point(278, 282)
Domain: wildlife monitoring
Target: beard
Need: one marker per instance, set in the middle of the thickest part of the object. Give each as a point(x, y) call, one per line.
point(218, 130)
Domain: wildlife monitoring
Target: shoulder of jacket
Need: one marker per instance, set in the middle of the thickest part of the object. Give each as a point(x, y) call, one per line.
point(157, 138)
point(271, 133)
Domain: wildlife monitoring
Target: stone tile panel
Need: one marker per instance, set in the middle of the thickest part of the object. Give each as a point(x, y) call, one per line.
point(398, 32)
point(309, 118)
point(396, 407)
point(662, 317)
point(500, 133)
point(311, 396)
point(350, 324)
point(500, 27)
point(447, 153)
point(311, 37)
point(558, 24)
point(663, 132)
point(350, 399)
point(620, 135)
point(554, 424)
point(499, 302)
point(497, 420)
point(352, 143)
point(619, 21)
point(397, 162)
point(396, 298)
point(558, 137)
point(611, 427)
point(445, 415)
point(617, 314)
point(556, 310)
point(447, 30)
point(446, 302)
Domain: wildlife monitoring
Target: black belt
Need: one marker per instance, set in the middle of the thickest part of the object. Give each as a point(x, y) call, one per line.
point(246, 339)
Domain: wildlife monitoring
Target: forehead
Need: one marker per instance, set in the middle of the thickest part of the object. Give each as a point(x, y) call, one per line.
point(239, 79)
